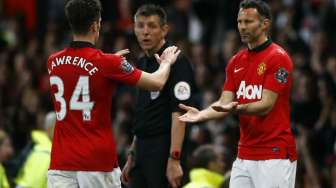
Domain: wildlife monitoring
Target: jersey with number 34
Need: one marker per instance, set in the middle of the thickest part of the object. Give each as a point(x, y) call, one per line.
point(81, 83)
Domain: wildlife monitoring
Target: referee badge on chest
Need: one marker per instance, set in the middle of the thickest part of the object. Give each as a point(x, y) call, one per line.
point(261, 68)
point(154, 94)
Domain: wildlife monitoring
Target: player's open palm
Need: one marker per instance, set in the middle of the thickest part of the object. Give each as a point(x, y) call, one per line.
point(192, 114)
point(169, 55)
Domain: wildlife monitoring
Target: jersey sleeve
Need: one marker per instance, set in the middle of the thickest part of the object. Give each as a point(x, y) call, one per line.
point(279, 75)
point(229, 82)
point(119, 69)
point(181, 83)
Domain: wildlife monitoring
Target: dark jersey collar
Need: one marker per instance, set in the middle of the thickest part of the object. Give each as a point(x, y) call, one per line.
point(81, 44)
point(262, 46)
point(163, 48)
point(165, 45)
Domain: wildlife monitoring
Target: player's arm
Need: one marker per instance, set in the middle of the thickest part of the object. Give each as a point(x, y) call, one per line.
point(194, 115)
point(259, 108)
point(156, 80)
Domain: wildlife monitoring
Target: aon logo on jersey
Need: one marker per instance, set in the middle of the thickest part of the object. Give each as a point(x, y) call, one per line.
point(249, 91)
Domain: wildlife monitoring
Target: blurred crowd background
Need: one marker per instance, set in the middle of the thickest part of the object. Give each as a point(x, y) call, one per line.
point(31, 30)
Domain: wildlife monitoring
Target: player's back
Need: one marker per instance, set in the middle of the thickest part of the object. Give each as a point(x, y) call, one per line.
point(82, 79)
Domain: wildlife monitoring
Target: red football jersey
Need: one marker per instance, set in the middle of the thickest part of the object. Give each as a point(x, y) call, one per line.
point(82, 80)
point(247, 74)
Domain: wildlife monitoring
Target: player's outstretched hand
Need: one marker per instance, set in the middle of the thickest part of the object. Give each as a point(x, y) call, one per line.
point(192, 114)
point(169, 55)
point(232, 106)
point(122, 52)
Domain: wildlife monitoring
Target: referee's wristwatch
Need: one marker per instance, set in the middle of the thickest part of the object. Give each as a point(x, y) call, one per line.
point(175, 155)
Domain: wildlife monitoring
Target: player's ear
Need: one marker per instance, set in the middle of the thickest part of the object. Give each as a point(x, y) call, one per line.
point(95, 26)
point(165, 29)
point(266, 24)
point(92, 28)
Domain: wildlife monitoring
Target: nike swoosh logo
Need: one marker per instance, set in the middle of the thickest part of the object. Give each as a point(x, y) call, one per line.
point(237, 70)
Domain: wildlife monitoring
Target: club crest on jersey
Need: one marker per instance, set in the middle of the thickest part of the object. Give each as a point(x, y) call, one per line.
point(261, 68)
point(126, 67)
point(249, 91)
point(281, 75)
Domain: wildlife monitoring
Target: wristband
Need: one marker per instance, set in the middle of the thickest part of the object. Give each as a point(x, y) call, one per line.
point(176, 155)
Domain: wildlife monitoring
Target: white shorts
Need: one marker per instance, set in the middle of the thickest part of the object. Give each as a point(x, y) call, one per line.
point(274, 173)
point(84, 179)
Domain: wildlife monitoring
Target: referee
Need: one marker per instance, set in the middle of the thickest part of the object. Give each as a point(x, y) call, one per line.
point(154, 157)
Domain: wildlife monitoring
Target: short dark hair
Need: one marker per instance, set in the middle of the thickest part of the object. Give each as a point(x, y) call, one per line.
point(81, 14)
point(203, 155)
point(152, 10)
point(262, 7)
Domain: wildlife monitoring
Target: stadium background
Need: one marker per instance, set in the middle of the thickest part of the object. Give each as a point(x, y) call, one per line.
point(30, 30)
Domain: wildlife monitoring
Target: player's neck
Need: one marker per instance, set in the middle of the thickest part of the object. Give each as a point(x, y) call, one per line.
point(154, 50)
point(85, 38)
point(258, 42)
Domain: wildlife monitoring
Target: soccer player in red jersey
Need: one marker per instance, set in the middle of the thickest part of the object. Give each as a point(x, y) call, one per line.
point(257, 88)
point(82, 80)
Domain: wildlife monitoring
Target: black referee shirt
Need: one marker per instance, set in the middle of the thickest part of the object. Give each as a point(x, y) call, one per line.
point(154, 108)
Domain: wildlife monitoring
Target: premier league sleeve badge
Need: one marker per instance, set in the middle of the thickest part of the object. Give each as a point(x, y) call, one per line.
point(126, 67)
point(281, 75)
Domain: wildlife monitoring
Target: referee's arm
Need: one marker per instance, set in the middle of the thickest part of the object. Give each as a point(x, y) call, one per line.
point(181, 88)
point(174, 170)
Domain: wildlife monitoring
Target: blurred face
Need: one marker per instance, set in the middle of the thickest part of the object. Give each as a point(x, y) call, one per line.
point(6, 150)
point(217, 165)
point(149, 32)
point(252, 27)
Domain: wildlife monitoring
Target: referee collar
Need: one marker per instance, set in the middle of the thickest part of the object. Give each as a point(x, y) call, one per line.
point(262, 46)
point(165, 45)
point(81, 44)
